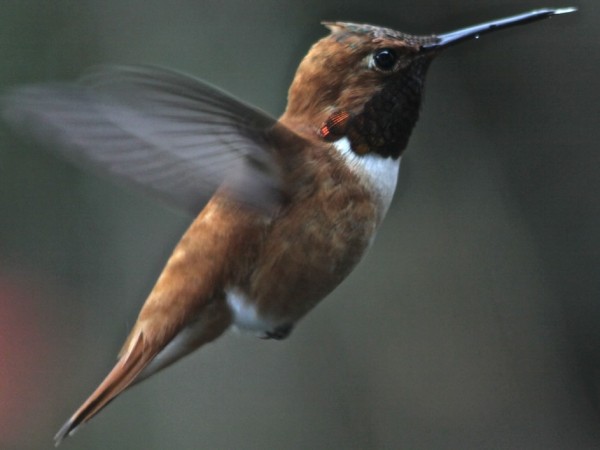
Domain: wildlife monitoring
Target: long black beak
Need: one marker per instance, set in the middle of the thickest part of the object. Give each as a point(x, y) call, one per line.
point(473, 32)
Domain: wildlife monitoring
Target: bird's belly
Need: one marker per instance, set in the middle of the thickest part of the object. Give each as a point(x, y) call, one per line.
point(292, 275)
point(245, 314)
point(308, 249)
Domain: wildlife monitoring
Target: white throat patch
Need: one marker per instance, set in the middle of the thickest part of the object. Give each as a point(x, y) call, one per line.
point(379, 172)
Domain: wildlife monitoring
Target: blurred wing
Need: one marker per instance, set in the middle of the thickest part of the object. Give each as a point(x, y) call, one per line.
point(170, 134)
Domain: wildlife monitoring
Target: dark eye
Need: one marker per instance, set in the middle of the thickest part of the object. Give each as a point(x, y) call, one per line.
point(385, 59)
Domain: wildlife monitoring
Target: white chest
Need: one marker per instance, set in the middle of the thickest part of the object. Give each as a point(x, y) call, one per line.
point(378, 172)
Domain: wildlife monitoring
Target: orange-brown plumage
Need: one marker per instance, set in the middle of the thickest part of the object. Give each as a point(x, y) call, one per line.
point(298, 200)
point(285, 265)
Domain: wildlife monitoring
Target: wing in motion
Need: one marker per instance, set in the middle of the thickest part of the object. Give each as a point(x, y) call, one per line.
point(170, 134)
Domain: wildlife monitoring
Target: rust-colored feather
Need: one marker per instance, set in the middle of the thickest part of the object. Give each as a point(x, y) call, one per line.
point(297, 201)
point(183, 311)
point(119, 378)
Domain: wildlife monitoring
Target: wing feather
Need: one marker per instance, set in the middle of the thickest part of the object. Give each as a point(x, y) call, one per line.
point(172, 135)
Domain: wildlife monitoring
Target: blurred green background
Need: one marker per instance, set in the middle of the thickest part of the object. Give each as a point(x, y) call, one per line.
point(474, 322)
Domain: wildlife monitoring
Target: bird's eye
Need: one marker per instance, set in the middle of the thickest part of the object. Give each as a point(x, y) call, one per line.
point(385, 59)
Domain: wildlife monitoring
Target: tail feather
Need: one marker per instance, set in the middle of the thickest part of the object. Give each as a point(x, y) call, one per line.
point(146, 352)
point(120, 378)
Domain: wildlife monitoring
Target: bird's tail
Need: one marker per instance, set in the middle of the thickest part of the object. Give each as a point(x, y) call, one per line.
point(124, 373)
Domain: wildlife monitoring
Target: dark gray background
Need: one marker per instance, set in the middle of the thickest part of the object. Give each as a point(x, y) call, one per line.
point(474, 322)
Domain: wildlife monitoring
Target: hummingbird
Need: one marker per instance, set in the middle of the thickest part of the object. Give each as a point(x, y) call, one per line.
point(285, 208)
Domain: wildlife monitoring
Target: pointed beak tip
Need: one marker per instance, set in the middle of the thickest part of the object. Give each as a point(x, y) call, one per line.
point(566, 10)
point(448, 39)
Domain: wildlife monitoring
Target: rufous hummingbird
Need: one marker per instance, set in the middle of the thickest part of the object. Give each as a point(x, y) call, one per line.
point(293, 203)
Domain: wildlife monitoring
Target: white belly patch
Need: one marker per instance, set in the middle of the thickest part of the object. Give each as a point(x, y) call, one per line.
point(245, 315)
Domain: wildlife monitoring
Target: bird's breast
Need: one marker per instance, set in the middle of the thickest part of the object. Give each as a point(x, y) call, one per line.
point(378, 172)
point(315, 242)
